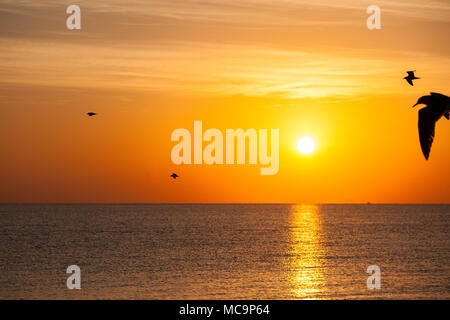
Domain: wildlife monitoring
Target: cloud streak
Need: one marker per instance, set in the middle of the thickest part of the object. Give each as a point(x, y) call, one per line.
point(286, 48)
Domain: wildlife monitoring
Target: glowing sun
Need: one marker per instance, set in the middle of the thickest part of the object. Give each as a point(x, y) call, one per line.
point(306, 145)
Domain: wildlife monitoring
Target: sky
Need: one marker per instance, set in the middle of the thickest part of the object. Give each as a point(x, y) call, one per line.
point(307, 68)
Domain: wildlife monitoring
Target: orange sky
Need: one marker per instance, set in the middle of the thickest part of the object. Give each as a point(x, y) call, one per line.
point(150, 67)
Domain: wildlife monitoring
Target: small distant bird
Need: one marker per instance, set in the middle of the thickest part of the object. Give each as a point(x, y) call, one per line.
point(174, 175)
point(90, 114)
point(410, 77)
point(437, 105)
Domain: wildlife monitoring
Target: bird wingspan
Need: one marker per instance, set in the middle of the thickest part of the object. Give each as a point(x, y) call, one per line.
point(409, 81)
point(427, 123)
point(438, 94)
point(441, 97)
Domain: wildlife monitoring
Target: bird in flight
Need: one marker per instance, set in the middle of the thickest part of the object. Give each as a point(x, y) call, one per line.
point(437, 105)
point(410, 77)
point(174, 175)
point(90, 114)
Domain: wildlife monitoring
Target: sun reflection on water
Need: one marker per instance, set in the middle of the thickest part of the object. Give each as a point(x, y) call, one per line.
point(306, 269)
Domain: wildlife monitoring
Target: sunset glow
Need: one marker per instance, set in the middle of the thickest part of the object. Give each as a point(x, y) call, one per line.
point(149, 67)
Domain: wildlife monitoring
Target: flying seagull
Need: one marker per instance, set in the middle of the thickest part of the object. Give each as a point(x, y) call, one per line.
point(174, 175)
point(410, 77)
point(437, 105)
point(90, 114)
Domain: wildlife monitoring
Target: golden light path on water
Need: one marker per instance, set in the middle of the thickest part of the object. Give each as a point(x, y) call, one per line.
point(306, 269)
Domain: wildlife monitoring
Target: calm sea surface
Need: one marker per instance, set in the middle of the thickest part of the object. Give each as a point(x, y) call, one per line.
point(225, 251)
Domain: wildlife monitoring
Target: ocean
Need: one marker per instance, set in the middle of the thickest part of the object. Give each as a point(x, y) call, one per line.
point(216, 251)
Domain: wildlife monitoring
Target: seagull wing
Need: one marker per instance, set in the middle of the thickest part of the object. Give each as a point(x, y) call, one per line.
point(409, 81)
point(410, 73)
point(438, 94)
point(441, 97)
point(427, 123)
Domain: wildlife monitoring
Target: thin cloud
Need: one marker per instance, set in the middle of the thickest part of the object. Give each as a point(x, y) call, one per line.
point(249, 11)
point(183, 55)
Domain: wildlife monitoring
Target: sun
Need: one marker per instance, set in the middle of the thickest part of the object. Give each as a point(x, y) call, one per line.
point(306, 145)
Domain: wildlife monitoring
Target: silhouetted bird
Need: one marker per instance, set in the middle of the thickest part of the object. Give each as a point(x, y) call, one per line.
point(90, 114)
point(437, 105)
point(174, 175)
point(410, 77)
